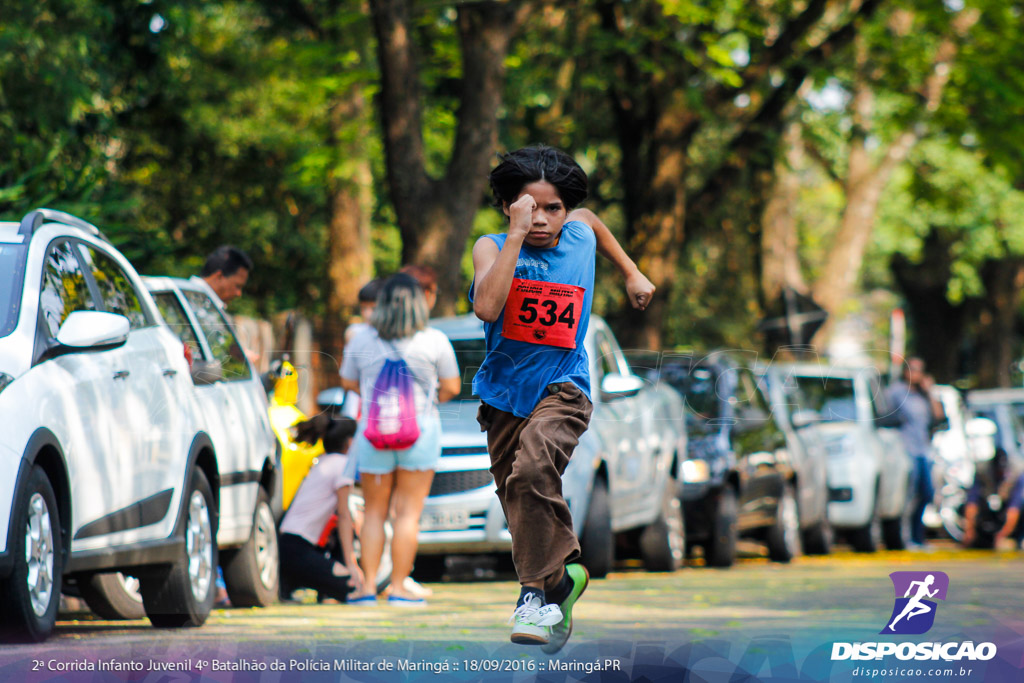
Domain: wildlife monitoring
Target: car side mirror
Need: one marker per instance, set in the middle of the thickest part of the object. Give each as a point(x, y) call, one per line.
point(92, 331)
point(615, 385)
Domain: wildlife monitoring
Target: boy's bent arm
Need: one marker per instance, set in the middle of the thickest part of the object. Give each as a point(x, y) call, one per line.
point(638, 287)
point(495, 269)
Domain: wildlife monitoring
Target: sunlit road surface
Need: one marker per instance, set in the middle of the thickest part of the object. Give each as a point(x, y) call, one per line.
point(844, 596)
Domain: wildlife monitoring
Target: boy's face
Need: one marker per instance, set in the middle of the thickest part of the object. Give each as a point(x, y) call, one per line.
point(548, 217)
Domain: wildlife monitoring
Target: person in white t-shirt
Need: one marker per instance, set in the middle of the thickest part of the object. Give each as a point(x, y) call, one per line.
point(324, 491)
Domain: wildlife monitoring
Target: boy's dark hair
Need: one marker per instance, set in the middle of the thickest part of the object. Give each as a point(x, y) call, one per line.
point(539, 162)
point(333, 430)
point(368, 292)
point(227, 259)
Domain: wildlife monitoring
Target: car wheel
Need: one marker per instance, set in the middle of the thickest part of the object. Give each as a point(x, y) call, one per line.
point(112, 595)
point(596, 543)
point(31, 594)
point(720, 548)
point(896, 531)
point(784, 535)
point(252, 572)
point(865, 539)
point(663, 542)
point(183, 594)
point(429, 568)
point(819, 538)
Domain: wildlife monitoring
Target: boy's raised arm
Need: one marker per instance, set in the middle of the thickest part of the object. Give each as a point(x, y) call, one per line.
point(638, 287)
point(494, 269)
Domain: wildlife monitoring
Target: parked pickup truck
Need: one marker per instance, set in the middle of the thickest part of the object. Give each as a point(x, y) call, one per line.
point(621, 484)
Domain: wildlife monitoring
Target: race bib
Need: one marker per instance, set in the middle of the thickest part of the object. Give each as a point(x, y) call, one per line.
point(543, 313)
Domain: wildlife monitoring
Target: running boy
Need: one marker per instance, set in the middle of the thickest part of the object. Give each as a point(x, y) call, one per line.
point(533, 288)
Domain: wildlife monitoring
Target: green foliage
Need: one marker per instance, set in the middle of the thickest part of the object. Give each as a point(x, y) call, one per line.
point(179, 125)
point(950, 191)
point(60, 93)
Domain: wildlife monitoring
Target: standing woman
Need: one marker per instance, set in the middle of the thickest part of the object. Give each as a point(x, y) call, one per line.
point(398, 329)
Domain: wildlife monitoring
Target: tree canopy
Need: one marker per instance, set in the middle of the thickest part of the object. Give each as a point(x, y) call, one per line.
point(831, 146)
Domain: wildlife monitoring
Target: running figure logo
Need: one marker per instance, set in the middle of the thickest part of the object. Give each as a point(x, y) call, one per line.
point(914, 613)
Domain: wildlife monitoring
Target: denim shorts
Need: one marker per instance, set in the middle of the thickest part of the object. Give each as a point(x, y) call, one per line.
point(422, 455)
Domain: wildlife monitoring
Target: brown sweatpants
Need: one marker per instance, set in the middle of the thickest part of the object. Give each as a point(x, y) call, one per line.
point(528, 457)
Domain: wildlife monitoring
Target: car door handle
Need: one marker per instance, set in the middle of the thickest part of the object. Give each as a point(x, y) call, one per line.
point(121, 374)
point(170, 373)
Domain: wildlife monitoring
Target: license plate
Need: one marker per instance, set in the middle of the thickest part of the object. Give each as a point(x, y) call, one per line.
point(444, 519)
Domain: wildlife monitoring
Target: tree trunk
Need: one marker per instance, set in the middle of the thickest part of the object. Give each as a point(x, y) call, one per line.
point(997, 334)
point(350, 263)
point(656, 234)
point(937, 327)
point(865, 180)
point(780, 261)
point(435, 216)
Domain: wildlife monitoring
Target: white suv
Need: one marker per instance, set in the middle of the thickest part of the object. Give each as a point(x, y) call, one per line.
point(105, 464)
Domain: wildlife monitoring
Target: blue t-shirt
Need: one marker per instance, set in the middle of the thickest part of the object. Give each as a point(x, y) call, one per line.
point(515, 374)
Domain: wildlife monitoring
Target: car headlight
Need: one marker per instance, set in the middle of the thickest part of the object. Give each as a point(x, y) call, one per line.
point(5, 379)
point(695, 471)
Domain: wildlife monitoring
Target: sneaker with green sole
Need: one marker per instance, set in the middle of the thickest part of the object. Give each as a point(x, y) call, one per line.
point(561, 631)
point(532, 621)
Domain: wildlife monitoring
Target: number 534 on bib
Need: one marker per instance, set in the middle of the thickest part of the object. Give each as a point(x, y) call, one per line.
point(543, 313)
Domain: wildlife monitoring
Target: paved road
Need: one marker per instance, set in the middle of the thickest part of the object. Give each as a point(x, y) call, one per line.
point(806, 605)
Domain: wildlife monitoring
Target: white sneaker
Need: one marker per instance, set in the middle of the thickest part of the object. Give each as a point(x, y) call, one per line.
point(533, 620)
point(415, 588)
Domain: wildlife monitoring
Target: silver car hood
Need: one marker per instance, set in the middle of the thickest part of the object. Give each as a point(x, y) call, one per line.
point(835, 430)
point(459, 428)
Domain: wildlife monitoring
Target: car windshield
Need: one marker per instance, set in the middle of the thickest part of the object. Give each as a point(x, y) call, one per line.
point(832, 397)
point(12, 275)
point(470, 355)
point(702, 392)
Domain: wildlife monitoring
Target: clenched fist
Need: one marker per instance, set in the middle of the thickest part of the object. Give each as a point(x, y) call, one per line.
point(640, 290)
point(520, 214)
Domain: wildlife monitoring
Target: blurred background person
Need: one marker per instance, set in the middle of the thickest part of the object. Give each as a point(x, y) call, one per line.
point(367, 302)
point(427, 277)
point(226, 271)
point(919, 410)
point(323, 492)
point(992, 516)
point(399, 326)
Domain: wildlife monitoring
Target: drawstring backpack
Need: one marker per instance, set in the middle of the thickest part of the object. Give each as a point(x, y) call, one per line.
point(391, 419)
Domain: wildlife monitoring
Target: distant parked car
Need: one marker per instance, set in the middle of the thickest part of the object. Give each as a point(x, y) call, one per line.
point(234, 408)
point(234, 403)
point(810, 459)
point(1004, 407)
point(105, 460)
point(740, 476)
point(869, 471)
point(620, 484)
